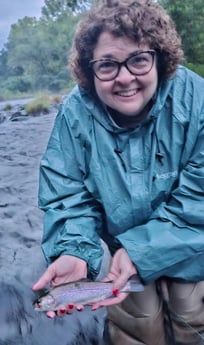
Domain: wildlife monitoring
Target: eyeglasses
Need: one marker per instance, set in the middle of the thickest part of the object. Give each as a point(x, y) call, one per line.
point(138, 64)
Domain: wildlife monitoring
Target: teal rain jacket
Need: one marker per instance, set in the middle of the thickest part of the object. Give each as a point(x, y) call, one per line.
point(141, 189)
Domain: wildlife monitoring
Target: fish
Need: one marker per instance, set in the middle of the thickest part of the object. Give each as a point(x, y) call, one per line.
point(82, 292)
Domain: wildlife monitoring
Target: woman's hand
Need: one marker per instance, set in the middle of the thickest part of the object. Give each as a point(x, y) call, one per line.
point(68, 268)
point(121, 270)
point(65, 269)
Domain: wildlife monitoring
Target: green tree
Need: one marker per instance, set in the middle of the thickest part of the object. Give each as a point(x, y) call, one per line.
point(53, 9)
point(23, 43)
point(40, 49)
point(4, 70)
point(188, 16)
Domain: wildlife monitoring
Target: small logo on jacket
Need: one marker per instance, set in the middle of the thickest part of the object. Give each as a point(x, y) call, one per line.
point(167, 175)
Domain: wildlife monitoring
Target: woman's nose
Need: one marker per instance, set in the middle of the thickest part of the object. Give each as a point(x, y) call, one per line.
point(124, 76)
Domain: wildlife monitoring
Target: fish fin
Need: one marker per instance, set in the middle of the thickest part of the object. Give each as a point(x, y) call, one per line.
point(134, 284)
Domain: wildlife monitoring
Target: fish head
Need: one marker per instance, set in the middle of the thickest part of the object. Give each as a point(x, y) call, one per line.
point(45, 303)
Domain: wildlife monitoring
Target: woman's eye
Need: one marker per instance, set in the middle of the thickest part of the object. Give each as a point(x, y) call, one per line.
point(139, 59)
point(106, 65)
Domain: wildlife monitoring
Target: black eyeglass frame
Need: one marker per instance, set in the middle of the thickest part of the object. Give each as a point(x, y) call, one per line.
point(123, 63)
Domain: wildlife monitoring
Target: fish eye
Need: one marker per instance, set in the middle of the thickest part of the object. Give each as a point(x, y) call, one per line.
point(37, 304)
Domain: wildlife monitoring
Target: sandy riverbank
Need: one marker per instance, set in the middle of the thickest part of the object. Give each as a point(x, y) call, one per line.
point(21, 146)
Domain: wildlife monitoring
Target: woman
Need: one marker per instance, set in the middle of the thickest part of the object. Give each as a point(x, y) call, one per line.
point(125, 163)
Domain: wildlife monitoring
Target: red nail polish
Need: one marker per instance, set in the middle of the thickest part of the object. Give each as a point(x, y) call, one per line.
point(62, 310)
point(70, 306)
point(115, 292)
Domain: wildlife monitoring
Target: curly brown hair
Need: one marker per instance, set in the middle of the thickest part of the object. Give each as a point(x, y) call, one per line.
point(143, 21)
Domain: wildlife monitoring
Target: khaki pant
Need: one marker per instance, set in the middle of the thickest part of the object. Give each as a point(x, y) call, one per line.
point(141, 318)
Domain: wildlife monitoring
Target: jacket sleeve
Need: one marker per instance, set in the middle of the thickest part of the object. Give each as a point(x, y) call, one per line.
point(72, 218)
point(171, 243)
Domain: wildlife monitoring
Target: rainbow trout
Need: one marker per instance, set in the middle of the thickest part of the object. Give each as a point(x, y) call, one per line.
point(82, 292)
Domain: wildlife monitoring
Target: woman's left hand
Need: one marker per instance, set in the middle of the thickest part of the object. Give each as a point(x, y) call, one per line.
point(121, 270)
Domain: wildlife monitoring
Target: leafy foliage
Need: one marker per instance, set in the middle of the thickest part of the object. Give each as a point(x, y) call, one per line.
point(42, 49)
point(188, 16)
point(53, 9)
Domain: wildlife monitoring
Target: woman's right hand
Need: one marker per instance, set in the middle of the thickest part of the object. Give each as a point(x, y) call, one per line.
point(121, 270)
point(65, 269)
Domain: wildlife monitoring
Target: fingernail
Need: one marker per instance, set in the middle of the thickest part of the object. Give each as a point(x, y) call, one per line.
point(62, 310)
point(70, 306)
point(115, 292)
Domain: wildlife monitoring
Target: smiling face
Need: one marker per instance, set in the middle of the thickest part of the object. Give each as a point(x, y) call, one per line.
point(128, 95)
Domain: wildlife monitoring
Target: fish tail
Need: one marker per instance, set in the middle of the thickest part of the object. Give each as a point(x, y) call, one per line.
point(134, 284)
